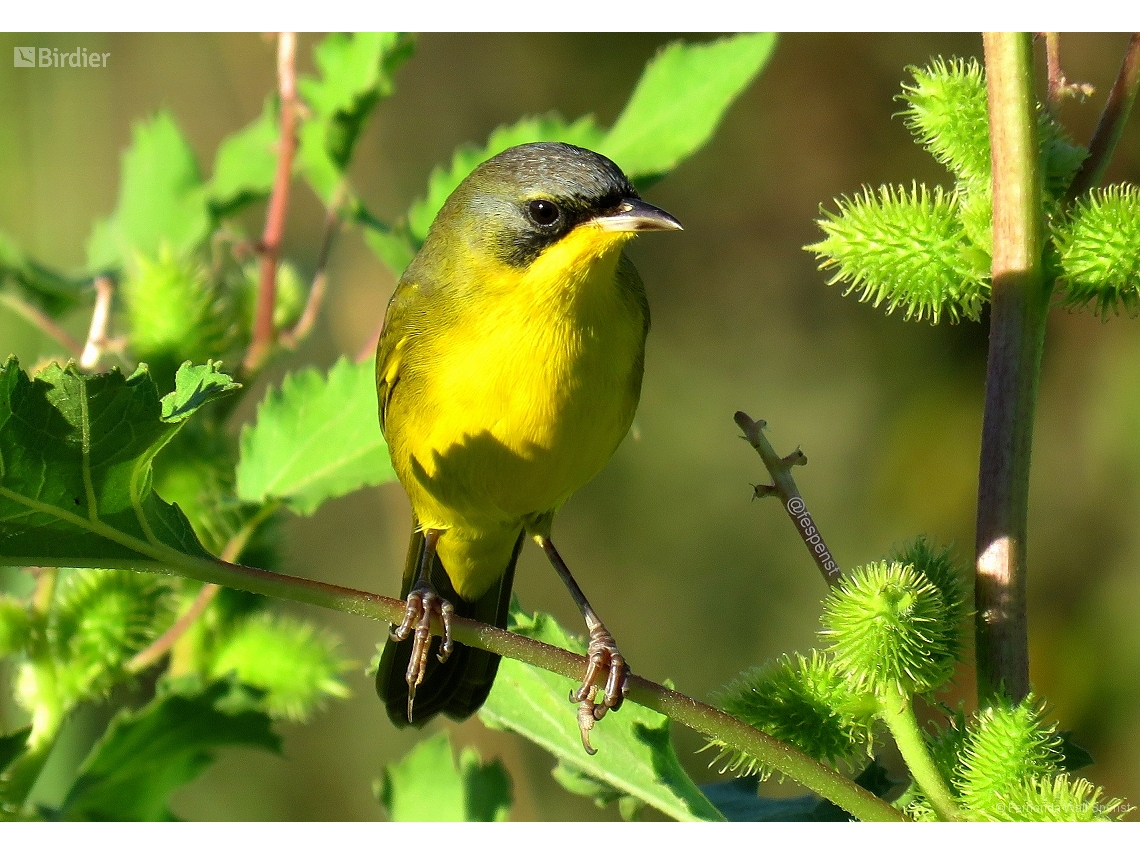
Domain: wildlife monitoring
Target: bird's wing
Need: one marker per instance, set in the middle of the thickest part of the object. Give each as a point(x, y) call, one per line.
point(390, 349)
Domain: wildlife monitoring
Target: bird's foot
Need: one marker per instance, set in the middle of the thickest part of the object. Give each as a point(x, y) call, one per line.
point(604, 658)
point(422, 605)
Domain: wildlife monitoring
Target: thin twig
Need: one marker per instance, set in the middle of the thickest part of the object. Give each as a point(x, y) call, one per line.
point(264, 333)
point(784, 486)
point(100, 316)
point(1112, 121)
point(42, 322)
point(230, 553)
point(300, 331)
point(1055, 77)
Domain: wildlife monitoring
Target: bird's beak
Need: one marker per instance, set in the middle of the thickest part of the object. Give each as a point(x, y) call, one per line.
point(633, 215)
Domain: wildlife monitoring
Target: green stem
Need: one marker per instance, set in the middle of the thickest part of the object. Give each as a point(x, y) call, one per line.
point(700, 717)
point(898, 714)
point(1020, 303)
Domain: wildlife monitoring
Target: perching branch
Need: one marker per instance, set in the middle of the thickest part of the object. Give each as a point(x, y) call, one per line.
point(1112, 120)
point(1020, 303)
point(700, 717)
point(264, 334)
point(784, 486)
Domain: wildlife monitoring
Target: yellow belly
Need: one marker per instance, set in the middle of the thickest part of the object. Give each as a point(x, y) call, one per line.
point(525, 401)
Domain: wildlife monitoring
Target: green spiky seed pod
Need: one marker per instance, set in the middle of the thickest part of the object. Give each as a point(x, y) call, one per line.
point(1007, 745)
point(101, 619)
point(1053, 799)
point(906, 248)
point(290, 296)
point(1099, 249)
point(805, 702)
point(295, 664)
point(938, 565)
point(175, 313)
point(15, 626)
point(888, 629)
point(946, 112)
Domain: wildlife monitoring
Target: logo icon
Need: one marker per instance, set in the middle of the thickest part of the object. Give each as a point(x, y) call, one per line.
point(24, 57)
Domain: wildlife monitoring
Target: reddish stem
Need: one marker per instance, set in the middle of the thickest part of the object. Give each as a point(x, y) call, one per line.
point(264, 333)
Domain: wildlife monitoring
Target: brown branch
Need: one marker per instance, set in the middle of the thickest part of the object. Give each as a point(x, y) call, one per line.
point(300, 331)
point(1112, 121)
point(264, 333)
point(41, 321)
point(784, 486)
point(1020, 301)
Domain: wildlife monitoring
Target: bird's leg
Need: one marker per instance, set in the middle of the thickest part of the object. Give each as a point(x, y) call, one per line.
point(603, 654)
point(423, 604)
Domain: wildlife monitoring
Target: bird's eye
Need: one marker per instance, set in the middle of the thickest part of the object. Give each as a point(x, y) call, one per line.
point(543, 212)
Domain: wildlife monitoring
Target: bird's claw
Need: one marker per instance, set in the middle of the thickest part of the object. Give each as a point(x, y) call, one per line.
point(603, 657)
point(422, 605)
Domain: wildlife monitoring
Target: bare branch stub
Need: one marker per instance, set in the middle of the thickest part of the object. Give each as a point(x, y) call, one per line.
point(784, 486)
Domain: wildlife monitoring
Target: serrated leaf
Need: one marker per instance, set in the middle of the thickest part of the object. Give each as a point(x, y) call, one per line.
point(315, 439)
point(52, 291)
point(161, 198)
point(548, 128)
point(428, 786)
point(146, 755)
point(635, 752)
point(357, 71)
point(75, 465)
point(246, 164)
point(680, 99)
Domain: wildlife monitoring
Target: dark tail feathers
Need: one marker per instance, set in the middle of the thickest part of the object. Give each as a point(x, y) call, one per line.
point(460, 685)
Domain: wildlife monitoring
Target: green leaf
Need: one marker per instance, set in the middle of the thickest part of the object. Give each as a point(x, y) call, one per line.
point(393, 246)
point(428, 786)
point(294, 663)
point(680, 99)
point(357, 71)
point(12, 745)
point(635, 753)
point(75, 465)
point(161, 199)
point(49, 289)
point(146, 755)
point(315, 439)
point(549, 128)
point(246, 164)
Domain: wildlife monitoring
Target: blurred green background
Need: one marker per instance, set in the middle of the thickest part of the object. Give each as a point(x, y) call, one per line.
point(696, 582)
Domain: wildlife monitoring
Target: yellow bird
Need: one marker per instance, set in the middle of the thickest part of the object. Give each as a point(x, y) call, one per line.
point(508, 373)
